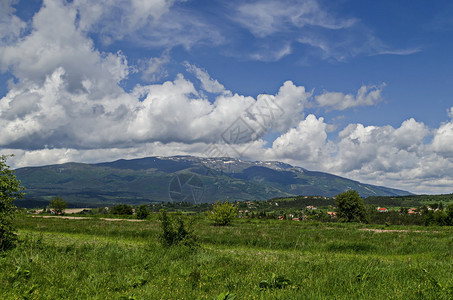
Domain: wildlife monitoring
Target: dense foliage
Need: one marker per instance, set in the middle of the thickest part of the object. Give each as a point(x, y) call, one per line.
point(174, 231)
point(440, 217)
point(122, 209)
point(223, 213)
point(58, 205)
point(142, 212)
point(10, 189)
point(350, 207)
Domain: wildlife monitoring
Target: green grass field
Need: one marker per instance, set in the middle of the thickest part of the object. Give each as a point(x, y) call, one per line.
point(100, 259)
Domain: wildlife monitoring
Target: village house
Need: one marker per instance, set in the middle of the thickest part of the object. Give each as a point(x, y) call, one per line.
point(412, 211)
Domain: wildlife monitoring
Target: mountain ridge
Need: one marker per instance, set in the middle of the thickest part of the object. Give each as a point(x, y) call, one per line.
point(183, 178)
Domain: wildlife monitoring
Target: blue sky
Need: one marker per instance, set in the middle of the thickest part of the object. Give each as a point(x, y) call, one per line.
point(360, 89)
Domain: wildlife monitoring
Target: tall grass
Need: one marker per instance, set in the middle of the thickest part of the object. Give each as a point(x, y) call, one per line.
point(98, 259)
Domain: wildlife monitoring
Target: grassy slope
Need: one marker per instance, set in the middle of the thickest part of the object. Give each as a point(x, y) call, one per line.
point(79, 259)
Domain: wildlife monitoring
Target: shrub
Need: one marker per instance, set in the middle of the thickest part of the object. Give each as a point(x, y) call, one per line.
point(142, 212)
point(10, 189)
point(122, 209)
point(449, 218)
point(223, 214)
point(174, 231)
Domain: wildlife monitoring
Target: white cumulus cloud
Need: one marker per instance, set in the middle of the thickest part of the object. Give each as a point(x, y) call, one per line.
point(443, 140)
point(304, 143)
point(207, 83)
point(366, 96)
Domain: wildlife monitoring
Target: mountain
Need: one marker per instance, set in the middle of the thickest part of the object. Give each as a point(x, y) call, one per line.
point(182, 178)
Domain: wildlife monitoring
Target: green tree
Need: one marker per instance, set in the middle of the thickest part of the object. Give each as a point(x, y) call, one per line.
point(10, 190)
point(223, 213)
point(350, 207)
point(58, 205)
point(142, 212)
point(449, 218)
point(429, 217)
point(404, 210)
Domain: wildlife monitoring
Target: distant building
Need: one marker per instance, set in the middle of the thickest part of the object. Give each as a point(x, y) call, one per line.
point(332, 214)
point(382, 209)
point(412, 211)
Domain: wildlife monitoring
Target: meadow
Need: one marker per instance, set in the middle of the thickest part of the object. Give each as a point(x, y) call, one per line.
point(93, 258)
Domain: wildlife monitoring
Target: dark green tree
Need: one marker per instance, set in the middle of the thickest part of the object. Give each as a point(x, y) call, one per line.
point(449, 213)
point(404, 210)
point(142, 212)
point(122, 209)
point(10, 190)
point(58, 205)
point(223, 213)
point(350, 207)
point(429, 217)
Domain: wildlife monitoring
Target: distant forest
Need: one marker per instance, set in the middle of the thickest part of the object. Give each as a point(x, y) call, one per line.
point(290, 202)
point(409, 201)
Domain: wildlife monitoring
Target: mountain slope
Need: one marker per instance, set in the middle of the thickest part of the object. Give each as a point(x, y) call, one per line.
point(182, 178)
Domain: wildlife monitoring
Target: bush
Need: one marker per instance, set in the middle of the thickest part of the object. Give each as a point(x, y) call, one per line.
point(223, 214)
point(122, 209)
point(441, 218)
point(142, 212)
point(449, 218)
point(174, 231)
point(10, 189)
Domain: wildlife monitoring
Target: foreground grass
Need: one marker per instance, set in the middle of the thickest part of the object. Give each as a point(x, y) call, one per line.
point(99, 259)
